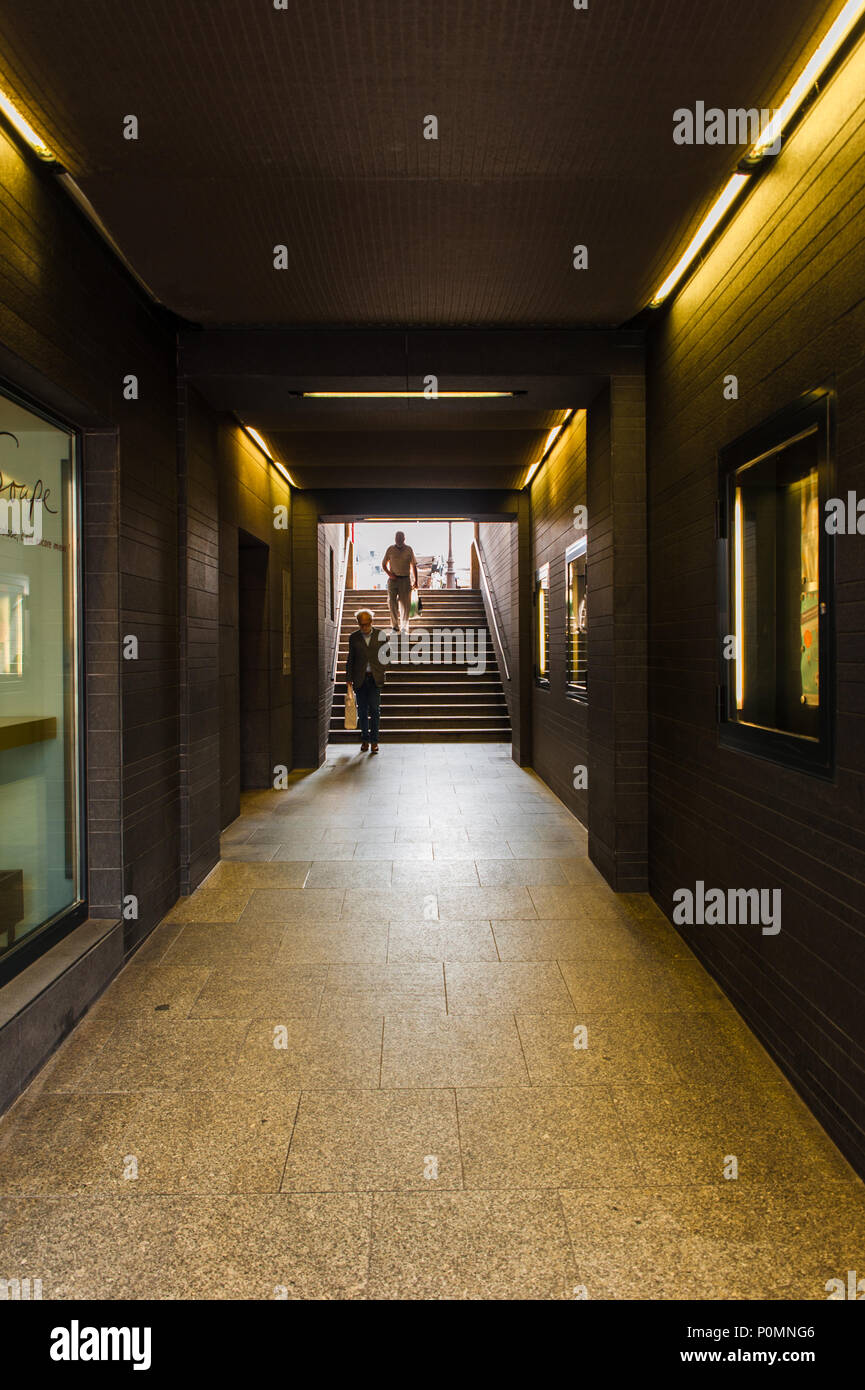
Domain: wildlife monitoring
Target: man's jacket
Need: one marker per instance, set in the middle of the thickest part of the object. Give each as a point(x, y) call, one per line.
point(359, 654)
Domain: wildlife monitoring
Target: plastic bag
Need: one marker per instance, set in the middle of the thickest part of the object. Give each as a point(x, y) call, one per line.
point(350, 710)
point(414, 609)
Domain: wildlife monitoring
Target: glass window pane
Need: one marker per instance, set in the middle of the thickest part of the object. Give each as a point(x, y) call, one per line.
point(542, 632)
point(776, 590)
point(577, 625)
point(39, 816)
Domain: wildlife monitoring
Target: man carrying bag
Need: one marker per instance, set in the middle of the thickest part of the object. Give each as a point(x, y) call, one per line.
point(364, 677)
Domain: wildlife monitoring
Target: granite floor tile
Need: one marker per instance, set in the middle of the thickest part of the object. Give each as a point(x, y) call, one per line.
point(211, 905)
point(234, 874)
point(595, 1049)
point(494, 873)
point(241, 991)
point(606, 985)
point(422, 1050)
point(359, 873)
point(161, 1054)
point(293, 905)
point(341, 851)
point(548, 1136)
point(687, 1134)
point(485, 903)
point(375, 1140)
point(221, 943)
point(310, 1054)
point(568, 941)
point(390, 905)
point(141, 990)
point(374, 990)
point(155, 1142)
point(188, 1247)
point(444, 941)
point(420, 876)
point(470, 1245)
point(333, 944)
point(719, 1242)
point(527, 987)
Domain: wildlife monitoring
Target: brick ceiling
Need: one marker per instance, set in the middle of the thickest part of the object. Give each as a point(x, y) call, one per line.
point(303, 126)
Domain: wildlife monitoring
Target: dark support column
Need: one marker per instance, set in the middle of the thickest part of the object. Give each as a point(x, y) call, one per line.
point(522, 733)
point(198, 573)
point(305, 662)
point(103, 660)
point(617, 599)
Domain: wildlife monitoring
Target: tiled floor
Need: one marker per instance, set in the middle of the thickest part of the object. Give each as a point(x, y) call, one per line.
point(346, 1068)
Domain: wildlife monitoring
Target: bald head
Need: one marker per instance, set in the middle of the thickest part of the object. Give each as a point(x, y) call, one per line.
point(400, 537)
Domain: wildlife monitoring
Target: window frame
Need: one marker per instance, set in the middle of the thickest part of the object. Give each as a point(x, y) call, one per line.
point(49, 933)
point(575, 690)
point(542, 626)
point(813, 413)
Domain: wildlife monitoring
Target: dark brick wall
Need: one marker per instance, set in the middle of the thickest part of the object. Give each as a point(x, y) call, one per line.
point(617, 618)
point(199, 640)
point(330, 538)
point(498, 545)
point(780, 303)
point(72, 326)
point(559, 723)
point(250, 488)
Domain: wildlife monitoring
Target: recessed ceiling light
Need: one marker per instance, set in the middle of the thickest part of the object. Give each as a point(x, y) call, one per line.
point(402, 395)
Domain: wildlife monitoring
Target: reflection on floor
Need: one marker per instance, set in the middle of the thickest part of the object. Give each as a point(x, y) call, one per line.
point(350, 1066)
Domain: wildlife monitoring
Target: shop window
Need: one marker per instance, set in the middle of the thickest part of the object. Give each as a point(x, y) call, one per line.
point(577, 633)
point(776, 690)
point(40, 822)
point(542, 625)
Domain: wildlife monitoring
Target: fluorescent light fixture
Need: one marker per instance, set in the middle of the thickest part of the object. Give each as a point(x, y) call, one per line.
point(402, 395)
point(25, 130)
point(548, 444)
point(257, 439)
point(820, 58)
point(702, 234)
point(739, 586)
point(809, 76)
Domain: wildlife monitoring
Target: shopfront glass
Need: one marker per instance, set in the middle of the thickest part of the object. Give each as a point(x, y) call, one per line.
point(40, 832)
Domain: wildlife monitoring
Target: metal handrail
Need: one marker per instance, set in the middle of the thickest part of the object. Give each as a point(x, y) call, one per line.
point(492, 609)
point(346, 542)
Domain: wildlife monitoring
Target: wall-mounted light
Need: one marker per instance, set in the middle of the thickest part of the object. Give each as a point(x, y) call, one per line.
point(257, 439)
point(25, 130)
point(403, 395)
point(548, 445)
point(739, 587)
point(790, 106)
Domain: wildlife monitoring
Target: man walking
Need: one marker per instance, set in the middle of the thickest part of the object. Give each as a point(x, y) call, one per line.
point(365, 673)
point(400, 566)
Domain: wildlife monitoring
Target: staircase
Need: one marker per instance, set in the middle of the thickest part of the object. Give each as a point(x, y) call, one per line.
point(429, 702)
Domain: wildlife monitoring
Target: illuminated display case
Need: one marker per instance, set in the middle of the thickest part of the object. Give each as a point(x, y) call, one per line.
point(776, 689)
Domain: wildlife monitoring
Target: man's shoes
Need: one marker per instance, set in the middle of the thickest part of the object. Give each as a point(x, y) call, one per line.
point(364, 748)
point(375, 748)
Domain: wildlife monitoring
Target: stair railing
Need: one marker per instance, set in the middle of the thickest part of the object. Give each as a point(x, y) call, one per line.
point(491, 608)
point(346, 542)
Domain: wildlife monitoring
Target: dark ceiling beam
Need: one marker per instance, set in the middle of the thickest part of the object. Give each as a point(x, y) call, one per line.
point(391, 354)
point(405, 504)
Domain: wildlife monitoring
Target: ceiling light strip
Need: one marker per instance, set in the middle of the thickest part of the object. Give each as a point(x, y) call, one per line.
point(548, 444)
point(25, 129)
point(257, 439)
point(804, 83)
point(403, 395)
